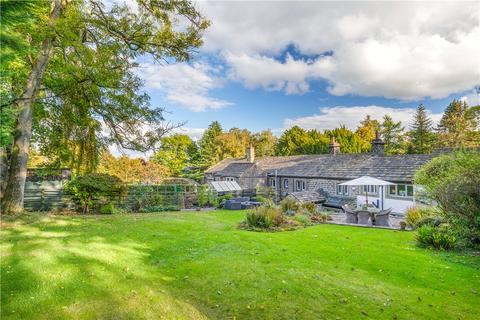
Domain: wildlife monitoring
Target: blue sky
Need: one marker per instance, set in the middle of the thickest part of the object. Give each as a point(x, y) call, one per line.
point(271, 65)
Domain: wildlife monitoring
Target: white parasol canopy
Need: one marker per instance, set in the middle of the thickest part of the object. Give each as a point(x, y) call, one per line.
point(368, 181)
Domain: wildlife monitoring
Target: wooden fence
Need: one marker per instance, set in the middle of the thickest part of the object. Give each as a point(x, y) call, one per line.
point(49, 195)
point(45, 196)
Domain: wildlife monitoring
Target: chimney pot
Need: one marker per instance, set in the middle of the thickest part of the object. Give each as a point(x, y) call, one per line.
point(378, 146)
point(250, 154)
point(334, 146)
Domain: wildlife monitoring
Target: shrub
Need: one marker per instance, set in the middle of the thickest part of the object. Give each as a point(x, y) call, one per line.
point(91, 188)
point(321, 217)
point(303, 219)
point(289, 205)
point(309, 207)
point(414, 214)
point(440, 238)
point(108, 208)
point(261, 199)
point(452, 181)
point(264, 217)
point(433, 221)
point(206, 197)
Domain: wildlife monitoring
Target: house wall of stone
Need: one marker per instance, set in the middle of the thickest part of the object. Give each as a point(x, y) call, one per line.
point(311, 184)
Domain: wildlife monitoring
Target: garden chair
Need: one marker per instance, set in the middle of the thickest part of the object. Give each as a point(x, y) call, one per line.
point(228, 204)
point(383, 218)
point(364, 217)
point(350, 215)
point(236, 206)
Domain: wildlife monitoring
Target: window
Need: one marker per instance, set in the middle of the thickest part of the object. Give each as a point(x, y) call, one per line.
point(392, 190)
point(370, 189)
point(401, 190)
point(342, 190)
point(230, 179)
point(285, 183)
point(300, 185)
point(409, 191)
point(273, 183)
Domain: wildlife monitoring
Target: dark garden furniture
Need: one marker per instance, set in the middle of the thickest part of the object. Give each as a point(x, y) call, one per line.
point(350, 215)
point(383, 218)
point(364, 217)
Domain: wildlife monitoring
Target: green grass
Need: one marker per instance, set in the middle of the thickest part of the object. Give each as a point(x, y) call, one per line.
point(199, 265)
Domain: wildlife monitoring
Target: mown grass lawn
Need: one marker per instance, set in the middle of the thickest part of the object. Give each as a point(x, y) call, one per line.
point(200, 266)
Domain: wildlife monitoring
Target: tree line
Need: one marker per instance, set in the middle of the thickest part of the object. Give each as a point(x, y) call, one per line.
point(178, 155)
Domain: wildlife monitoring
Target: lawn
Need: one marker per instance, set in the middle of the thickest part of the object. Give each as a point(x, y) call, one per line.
point(200, 266)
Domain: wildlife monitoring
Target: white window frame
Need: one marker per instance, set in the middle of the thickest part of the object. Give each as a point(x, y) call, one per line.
point(285, 183)
point(370, 189)
point(403, 193)
point(273, 183)
point(342, 190)
point(229, 179)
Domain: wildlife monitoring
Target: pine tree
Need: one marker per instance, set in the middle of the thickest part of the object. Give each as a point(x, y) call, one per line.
point(458, 126)
point(421, 135)
point(392, 135)
point(208, 145)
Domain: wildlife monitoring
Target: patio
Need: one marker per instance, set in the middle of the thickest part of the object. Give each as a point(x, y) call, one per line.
point(340, 218)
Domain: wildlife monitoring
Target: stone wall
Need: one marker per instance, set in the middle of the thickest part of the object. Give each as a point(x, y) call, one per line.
point(311, 184)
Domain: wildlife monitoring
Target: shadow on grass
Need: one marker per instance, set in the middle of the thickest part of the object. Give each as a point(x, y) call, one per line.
point(196, 266)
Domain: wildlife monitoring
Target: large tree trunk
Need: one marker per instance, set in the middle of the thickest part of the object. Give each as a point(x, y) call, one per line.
point(12, 201)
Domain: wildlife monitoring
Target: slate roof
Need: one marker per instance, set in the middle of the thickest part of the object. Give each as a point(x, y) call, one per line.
point(395, 168)
point(230, 167)
point(308, 196)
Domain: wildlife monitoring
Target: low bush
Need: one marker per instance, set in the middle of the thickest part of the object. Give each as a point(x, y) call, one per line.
point(261, 199)
point(303, 219)
point(91, 189)
point(264, 217)
point(108, 208)
point(309, 207)
point(289, 205)
point(439, 237)
point(415, 214)
point(206, 197)
point(432, 221)
point(321, 217)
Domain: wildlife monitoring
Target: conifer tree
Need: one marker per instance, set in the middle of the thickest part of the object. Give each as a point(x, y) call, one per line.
point(392, 135)
point(208, 145)
point(458, 126)
point(421, 134)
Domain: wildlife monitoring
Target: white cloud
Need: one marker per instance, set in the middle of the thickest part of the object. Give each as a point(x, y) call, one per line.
point(332, 117)
point(194, 133)
point(473, 98)
point(272, 75)
point(187, 85)
point(398, 50)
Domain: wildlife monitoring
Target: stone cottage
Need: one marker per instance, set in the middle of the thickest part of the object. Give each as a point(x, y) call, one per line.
point(323, 173)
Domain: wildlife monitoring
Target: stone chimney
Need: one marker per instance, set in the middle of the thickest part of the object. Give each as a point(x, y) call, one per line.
point(250, 154)
point(334, 146)
point(378, 146)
